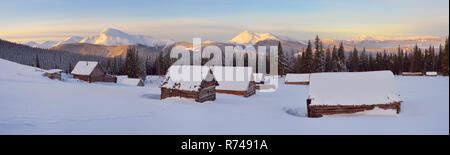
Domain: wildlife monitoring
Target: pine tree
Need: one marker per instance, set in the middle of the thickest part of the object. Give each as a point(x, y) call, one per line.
point(354, 61)
point(378, 62)
point(401, 62)
point(132, 64)
point(328, 61)
point(371, 63)
point(416, 59)
point(444, 61)
point(341, 58)
point(167, 62)
point(364, 61)
point(437, 66)
point(308, 59)
point(319, 57)
point(38, 65)
point(334, 60)
point(298, 63)
point(282, 62)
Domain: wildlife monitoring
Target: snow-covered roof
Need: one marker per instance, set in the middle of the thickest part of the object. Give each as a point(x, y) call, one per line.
point(432, 73)
point(233, 78)
point(297, 77)
point(53, 71)
point(186, 77)
point(412, 73)
point(84, 67)
point(130, 81)
point(362, 88)
point(258, 77)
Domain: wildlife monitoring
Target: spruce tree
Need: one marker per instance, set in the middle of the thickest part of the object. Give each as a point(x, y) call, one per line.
point(308, 59)
point(132, 64)
point(328, 60)
point(341, 58)
point(371, 63)
point(159, 64)
point(282, 62)
point(444, 61)
point(364, 61)
point(38, 65)
point(334, 60)
point(400, 59)
point(354, 61)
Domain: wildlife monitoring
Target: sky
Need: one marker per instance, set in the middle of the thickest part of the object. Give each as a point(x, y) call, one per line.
point(221, 20)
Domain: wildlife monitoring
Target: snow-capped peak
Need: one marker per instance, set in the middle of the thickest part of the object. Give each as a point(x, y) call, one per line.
point(45, 45)
point(113, 37)
point(73, 39)
point(248, 37)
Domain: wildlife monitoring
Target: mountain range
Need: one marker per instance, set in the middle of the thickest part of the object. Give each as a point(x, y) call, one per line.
point(108, 37)
point(112, 42)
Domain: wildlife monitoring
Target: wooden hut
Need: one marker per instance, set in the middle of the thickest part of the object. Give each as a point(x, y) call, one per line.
point(259, 78)
point(91, 71)
point(195, 82)
point(235, 80)
point(54, 74)
point(297, 79)
point(348, 93)
point(431, 74)
point(412, 74)
point(132, 82)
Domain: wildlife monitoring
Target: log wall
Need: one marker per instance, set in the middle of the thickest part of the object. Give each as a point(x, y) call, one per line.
point(251, 90)
point(297, 83)
point(315, 111)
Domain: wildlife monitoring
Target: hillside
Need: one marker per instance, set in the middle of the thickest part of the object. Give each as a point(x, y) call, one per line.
point(107, 51)
point(47, 59)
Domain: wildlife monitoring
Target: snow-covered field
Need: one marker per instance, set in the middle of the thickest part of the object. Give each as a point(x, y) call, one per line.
point(33, 104)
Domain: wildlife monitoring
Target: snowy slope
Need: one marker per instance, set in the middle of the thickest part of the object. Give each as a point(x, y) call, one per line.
point(74, 107)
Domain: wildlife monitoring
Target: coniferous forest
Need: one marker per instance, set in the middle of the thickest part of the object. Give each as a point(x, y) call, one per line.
point(337, 59)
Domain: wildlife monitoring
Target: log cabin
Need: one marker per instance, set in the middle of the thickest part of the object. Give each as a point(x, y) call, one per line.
point(54, 74)
point(235, 80)
point(194, 82)
point(297, 79)
point(431, 74)
point(91, 71)
point(259, 78)
point(132, 82)
point(349, 93)
point(412, 74)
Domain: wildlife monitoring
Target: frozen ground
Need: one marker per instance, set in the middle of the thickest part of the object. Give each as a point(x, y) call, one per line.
point(32, 104)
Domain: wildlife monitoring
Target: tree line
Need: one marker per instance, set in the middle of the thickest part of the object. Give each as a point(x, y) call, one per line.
point(317, 59)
